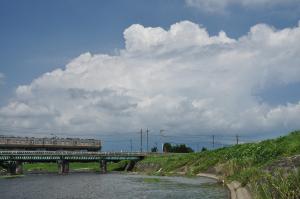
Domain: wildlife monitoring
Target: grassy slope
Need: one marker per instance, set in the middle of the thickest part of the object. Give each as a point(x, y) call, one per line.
point(245, 163)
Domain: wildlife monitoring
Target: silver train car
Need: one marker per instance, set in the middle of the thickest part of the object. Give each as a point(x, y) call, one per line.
point(49, 144)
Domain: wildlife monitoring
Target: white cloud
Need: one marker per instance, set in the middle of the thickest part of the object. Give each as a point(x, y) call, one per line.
point(222, 5)
point(181, 79)
point(180, 35)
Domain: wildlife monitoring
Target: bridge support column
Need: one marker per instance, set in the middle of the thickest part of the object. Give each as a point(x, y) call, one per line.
point(19, 167)
point(63, 167)
point(13, 167)
point(130, 165)
point(103, 166)
point(66, 168)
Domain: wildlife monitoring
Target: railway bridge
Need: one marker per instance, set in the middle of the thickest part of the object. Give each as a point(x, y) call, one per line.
point(13, 160)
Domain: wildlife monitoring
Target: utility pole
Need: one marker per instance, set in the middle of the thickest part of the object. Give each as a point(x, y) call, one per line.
point(237, 139)
point(141, 140)
point(130, 145)
point(147, 141)
point(161, 135)
point(213, 137)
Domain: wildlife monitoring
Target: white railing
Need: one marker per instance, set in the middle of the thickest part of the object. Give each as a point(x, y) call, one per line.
point(81, 153)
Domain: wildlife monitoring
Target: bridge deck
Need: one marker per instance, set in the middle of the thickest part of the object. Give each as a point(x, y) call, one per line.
point(49, 156)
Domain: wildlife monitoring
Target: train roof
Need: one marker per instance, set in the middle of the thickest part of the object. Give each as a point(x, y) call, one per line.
point(58, 138)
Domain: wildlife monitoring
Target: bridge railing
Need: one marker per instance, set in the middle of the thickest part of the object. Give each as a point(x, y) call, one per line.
point(72, 153)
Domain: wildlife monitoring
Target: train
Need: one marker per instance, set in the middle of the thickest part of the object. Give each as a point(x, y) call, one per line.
point(49, 144)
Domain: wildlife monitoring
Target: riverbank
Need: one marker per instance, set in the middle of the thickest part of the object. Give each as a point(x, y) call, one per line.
point(269, 169)
point(236, 190)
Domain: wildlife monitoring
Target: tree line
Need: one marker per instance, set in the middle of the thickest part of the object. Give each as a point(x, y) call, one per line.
point(177, 148)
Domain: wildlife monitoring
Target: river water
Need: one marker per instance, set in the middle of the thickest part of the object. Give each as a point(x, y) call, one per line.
point(109, 186)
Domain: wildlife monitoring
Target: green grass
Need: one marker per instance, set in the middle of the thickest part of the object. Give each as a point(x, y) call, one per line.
point(74, 166)
point(117, 166)
point(45, 167)
point(245, 162)
point(278, 185)
point(90, 166)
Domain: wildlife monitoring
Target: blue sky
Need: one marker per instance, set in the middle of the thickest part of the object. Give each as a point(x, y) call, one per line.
point(37, 37)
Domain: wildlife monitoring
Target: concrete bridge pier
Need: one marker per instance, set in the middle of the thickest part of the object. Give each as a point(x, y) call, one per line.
point(11, 167)
point(103, 166)
point(63, 167)
point(19, 167)
point(14, 167)
point(130, 165)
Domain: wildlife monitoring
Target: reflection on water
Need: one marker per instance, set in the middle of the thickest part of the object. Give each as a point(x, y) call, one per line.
point(109, 186)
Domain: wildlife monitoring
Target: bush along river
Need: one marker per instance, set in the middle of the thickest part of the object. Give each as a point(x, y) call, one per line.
point(110, 186)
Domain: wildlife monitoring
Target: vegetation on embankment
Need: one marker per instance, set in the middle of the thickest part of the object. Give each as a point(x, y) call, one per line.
point(74, 166)
point(269, 168)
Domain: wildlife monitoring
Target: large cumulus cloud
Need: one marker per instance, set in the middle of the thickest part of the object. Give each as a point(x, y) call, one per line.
point(181, 79)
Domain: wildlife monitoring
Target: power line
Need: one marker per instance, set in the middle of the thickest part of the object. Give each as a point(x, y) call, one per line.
point(147, 140)
point(47, 131)
point(141, 141)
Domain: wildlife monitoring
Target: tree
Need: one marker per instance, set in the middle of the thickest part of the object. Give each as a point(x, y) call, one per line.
point(203, 149)
point(154, 149)
point(167, 147)
point(182, 148)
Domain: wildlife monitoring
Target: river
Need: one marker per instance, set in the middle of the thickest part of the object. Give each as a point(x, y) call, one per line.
point(109, 186)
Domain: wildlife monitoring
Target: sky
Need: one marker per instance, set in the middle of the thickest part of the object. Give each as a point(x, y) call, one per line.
point(106, 69)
